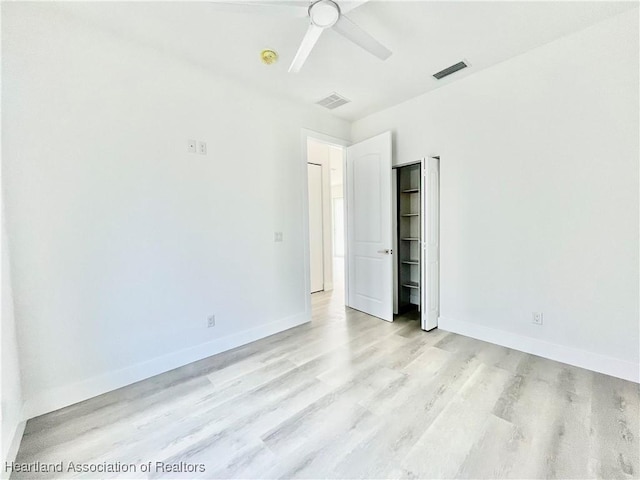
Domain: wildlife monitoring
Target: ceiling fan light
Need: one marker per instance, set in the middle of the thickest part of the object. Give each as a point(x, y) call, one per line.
point(324, 13)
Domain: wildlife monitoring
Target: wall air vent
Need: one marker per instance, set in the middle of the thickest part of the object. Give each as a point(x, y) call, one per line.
point(450, 70)
point(332, 101)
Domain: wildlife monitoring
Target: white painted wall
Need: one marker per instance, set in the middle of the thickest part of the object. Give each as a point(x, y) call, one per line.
point(11, 414)
point(539, 195)
point(123, 243)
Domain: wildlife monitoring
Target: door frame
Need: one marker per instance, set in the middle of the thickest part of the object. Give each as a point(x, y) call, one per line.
point(305, 135)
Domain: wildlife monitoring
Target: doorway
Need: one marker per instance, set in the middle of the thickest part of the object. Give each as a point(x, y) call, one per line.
point(325, 173)
point(316, 227)
point(359, 193)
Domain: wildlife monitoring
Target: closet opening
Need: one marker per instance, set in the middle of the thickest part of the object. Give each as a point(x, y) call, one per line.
point(416, 273)
point(409, 228)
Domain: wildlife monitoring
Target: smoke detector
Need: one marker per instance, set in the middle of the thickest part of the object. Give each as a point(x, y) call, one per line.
point(269, 56)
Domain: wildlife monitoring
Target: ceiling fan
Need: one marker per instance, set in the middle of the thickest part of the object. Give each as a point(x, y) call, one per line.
point(324, 15)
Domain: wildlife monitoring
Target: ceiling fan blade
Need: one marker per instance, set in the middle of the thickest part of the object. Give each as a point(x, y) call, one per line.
point(309, 40)
point(357, 35)
point(289, 8)
point(347, 5)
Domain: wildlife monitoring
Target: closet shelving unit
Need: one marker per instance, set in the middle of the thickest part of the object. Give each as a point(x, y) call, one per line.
point(409, 224)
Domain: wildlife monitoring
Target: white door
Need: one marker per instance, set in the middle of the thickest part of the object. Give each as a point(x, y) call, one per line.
point(369, 232)
point(316, 237)
point(431, 244)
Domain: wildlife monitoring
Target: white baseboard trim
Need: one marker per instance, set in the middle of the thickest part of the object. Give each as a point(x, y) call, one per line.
point(16, 438)
point(56, 398)
point(572, 356)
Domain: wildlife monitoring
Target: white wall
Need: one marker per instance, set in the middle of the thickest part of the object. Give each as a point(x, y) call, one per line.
point(124, 243)
point(539, 196)
point(11, 414)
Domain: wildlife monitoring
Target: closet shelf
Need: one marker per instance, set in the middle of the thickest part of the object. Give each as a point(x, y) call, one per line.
point(411, 190)
point(411, 285)
point(410, 239)
point(411, 262)
point(410, 214)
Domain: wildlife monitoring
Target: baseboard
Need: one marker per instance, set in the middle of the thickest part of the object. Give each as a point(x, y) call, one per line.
point(572, 356)
point(56, 398)
point(16, 438)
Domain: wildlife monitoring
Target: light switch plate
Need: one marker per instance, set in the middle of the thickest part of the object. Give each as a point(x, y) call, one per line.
point(191, 146)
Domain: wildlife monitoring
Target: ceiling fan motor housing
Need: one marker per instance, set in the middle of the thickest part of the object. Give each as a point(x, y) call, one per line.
point(324, 13)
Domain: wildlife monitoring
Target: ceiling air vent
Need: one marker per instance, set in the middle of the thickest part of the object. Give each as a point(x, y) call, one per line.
point(450, 70)
point(332, 101)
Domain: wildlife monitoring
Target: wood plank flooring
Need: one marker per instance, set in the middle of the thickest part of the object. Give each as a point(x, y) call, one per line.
point(351, 396)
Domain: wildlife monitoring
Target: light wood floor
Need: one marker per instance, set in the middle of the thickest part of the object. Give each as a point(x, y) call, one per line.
point(351, 396)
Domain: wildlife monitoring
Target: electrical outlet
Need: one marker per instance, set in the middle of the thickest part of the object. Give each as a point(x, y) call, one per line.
point(211, 321)
point(537, 318)
point(277, 236)
point(202, 148)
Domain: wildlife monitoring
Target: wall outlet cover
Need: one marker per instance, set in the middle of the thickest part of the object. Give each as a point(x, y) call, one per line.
point(202, 148)
point(191, 146)
point(537, 318)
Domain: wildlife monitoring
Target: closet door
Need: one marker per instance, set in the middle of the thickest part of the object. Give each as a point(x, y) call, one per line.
point(430, 290)
point(316, 246)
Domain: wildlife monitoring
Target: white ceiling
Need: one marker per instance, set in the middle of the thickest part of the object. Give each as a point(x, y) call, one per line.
point(425, 37)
